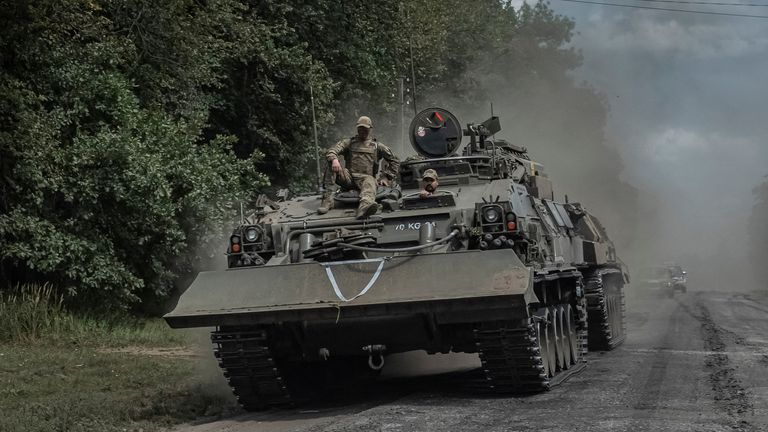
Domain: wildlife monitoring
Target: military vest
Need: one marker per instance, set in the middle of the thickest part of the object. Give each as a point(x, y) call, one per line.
point(362, 156)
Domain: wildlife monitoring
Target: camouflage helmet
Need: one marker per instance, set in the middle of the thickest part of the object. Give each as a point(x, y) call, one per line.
point(429, 174)
point(365, 122)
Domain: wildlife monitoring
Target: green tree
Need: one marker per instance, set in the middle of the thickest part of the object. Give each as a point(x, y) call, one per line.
point(108, 184)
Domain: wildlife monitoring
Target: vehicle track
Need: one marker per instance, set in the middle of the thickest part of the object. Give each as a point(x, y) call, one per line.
point(729, 393)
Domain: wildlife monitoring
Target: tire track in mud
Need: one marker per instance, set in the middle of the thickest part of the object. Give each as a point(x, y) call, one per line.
point(729, 394)
point(650, 396)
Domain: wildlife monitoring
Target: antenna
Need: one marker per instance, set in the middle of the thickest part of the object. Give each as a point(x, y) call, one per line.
point(413, 71)
point(314, 131)
point(401, 121)
point(242, 214)
point(413, 74)
point(493, 135)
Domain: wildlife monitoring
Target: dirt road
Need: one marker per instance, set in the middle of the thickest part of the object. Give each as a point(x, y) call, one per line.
point(698, 362)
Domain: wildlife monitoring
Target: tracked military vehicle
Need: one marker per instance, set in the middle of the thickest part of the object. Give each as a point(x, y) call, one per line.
point(488, 263)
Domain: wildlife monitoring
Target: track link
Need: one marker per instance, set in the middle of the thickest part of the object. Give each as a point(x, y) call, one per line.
point(605, 310)
point(511, 359)
point(244, 356)
point(582, 327)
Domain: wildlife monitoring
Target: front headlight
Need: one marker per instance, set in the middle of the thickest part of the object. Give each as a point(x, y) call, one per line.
point(252, 234)
point(491, 214)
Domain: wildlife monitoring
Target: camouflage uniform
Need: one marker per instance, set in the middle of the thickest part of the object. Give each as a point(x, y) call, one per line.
point(361, 160)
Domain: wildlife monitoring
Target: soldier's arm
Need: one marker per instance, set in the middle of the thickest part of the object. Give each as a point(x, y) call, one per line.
point(335, 151)
point(392, 166)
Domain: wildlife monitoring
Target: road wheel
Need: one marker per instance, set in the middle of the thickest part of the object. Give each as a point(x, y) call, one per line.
point(573, 336)
point(566, 337)
point(559, 336)
point(544, 330)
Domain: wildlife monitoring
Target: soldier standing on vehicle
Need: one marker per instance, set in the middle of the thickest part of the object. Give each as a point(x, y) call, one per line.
point(362, 155)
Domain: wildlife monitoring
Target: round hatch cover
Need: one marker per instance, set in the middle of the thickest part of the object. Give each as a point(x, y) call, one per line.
point(435, 133)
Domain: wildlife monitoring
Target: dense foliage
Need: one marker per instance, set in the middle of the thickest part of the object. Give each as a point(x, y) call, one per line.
point(128, 127)
point(108, 181)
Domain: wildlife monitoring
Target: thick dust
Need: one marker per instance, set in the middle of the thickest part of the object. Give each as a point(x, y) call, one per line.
point(683, 196)
point(207, 372)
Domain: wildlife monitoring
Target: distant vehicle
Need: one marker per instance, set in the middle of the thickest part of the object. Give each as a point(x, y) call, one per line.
point(679, 277)
point(664, 280)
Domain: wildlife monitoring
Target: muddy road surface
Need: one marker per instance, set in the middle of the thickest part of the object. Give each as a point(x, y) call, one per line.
point(698, 362)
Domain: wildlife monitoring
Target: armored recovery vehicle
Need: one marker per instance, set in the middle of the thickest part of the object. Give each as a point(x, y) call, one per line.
point(489, 263)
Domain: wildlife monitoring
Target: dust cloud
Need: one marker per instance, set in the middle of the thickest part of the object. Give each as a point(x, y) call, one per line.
point(687, 118)
point(208, 376)
point(663, 140)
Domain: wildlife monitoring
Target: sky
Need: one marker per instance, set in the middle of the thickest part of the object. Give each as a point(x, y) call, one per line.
point(688, 99)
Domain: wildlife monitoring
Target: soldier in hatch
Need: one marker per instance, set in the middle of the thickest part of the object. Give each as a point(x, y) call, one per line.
point(362, 155)
point(428, 183)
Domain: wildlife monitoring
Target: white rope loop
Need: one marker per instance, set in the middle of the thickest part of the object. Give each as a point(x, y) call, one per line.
point(332, 279)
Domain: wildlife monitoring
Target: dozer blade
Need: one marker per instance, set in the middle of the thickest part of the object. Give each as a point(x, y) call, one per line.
point(451, 284)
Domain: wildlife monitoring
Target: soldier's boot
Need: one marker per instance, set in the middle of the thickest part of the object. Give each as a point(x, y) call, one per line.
point(327, 204)
point(366, 209)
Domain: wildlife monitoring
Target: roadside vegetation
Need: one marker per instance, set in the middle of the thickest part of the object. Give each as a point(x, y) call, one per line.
point(35, 314)
point(65, 371)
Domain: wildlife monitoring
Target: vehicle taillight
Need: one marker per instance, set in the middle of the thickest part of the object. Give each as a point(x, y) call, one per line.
point(511, 222)
point(234, 244)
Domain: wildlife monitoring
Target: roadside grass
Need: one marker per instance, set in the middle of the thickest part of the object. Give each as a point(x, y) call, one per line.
point(59, 370)
point(34, 313)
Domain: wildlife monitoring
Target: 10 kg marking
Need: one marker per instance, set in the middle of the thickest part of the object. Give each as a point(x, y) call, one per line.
point(412, 225)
